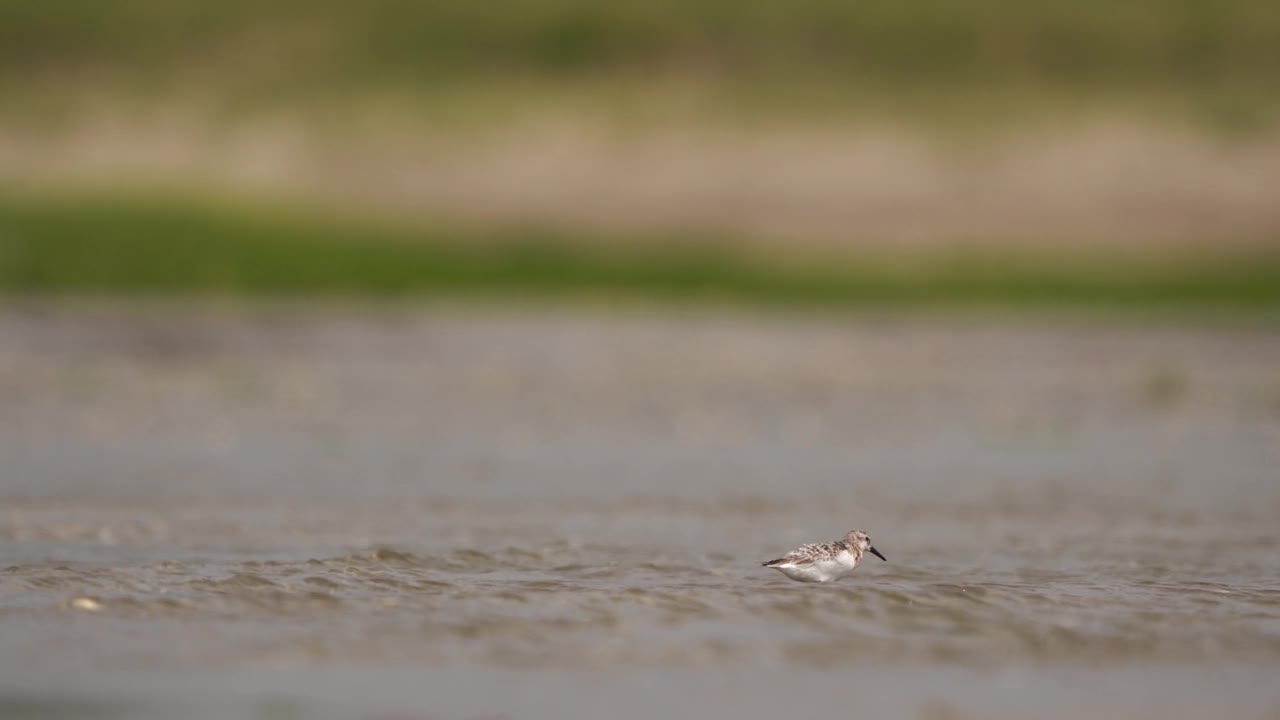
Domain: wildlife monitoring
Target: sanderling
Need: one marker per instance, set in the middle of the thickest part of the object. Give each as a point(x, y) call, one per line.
point(826, 561)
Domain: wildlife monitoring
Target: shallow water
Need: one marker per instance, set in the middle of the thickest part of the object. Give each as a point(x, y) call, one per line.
point(278, 512)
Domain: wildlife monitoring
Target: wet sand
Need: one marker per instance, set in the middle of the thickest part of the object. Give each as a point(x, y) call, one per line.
point(278, 511)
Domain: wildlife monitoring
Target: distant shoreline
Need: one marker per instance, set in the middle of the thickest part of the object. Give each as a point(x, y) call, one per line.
point(169, 245)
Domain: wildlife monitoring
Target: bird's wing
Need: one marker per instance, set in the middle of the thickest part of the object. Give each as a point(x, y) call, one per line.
point(803, 555)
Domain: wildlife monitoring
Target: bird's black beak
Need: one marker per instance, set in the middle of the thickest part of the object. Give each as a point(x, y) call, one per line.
point(877, 554)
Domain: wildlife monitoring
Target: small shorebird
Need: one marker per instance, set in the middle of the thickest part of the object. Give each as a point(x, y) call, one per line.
point(826, 561)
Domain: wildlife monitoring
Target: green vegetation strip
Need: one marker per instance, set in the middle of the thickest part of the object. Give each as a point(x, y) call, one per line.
point(179, 247)
point(1222, 57)
point(324, 41)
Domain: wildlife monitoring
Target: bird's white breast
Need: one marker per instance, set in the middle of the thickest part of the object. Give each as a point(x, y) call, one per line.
point(821, 570)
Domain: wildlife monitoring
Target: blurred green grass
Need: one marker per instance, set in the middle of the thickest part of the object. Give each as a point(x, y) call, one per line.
point(808, 61)
point(1219, 59)
point(181, 246)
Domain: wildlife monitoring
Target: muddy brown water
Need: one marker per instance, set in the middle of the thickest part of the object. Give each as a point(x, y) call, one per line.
point(391, 512)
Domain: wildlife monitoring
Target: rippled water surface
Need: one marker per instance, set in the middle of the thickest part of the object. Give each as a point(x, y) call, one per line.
point(388, 513)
